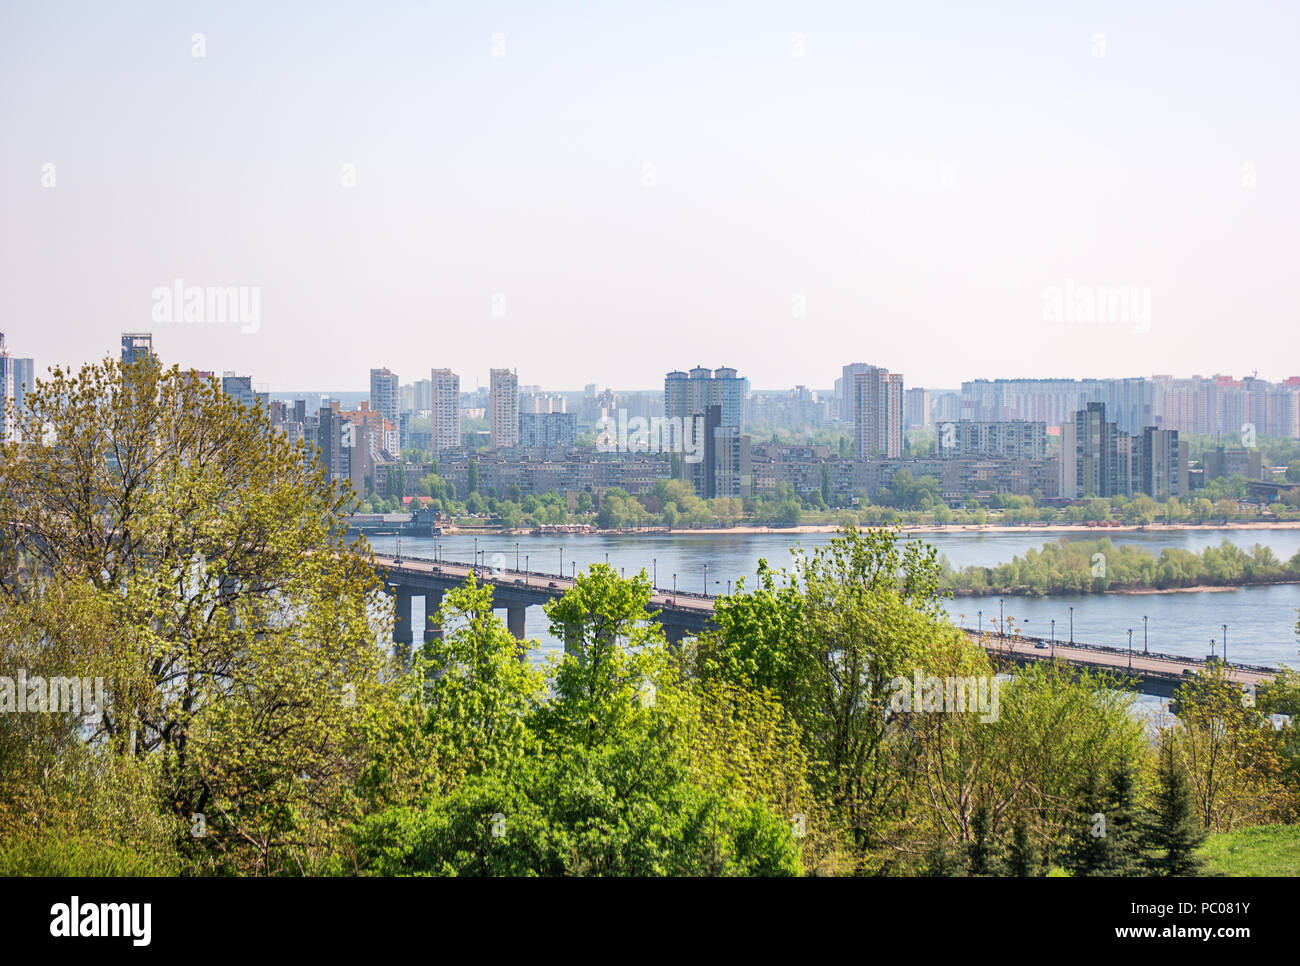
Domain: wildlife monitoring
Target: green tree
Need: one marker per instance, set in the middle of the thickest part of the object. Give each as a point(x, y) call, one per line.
point(618, 771)
point(850, 619)
point(1171, 832)
point(479, 691)
point(242, 659)
point(983, 854)
point(1022, 857)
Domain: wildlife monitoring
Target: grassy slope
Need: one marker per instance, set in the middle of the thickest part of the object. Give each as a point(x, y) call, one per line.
point(1262, 850)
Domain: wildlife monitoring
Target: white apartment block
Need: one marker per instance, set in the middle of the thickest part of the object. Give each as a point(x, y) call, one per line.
point(503, 409)
point(444, 409)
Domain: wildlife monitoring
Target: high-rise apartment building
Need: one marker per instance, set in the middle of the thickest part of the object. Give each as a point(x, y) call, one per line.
point(503, 409)
point(444, 409)
point(548, 430)
point(17, 376)
point(878, 413)
point(845, 388)
point(731, 463)
point(1208, 405)
point(24, 378)
point(1162, 463)
point(1100, 459)
point(422, 395)
point(385, 396)
point(1095, 459)
point(241, 388)
point(536, 401)
point(691, 394)
point(6, 392)
point(1017, 439)
point(712, 402)
point(916, 408)
point(136, 345)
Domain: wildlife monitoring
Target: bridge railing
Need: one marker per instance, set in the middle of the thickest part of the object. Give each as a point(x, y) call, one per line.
point(1121, 652)
point(485, 571)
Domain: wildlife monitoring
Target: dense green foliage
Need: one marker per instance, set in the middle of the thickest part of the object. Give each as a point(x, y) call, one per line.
point(595, 767)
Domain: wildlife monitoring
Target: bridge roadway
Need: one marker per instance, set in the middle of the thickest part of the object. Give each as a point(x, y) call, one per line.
point(685, 614)
point(680, 613)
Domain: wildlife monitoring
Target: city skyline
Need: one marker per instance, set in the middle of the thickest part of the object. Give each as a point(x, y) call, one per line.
point(653, 384)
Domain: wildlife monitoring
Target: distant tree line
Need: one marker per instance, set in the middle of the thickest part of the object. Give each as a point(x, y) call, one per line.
point(1097, 566)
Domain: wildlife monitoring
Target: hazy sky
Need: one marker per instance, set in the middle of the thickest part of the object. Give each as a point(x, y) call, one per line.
point(780, 188)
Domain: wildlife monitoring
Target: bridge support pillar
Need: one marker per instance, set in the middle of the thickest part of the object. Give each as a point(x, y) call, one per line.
point(515, 620)
point(403, 633)
point(572, 640)
point(675, 633)
point(432, 601)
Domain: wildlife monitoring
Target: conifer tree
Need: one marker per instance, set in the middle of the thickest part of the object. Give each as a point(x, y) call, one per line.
point(1086, 850)
point(1171, 831)
point(982, 854)
point(1022, 857)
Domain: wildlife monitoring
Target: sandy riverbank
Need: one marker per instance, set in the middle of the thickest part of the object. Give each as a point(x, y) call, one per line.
point(807, 528)
point(1206, 589)
point(1135, 591)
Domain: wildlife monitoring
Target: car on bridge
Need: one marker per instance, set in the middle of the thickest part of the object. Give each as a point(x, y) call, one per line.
point(552, 584)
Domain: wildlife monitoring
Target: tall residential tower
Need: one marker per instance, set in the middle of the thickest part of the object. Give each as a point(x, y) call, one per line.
point(444, 409)
point(503, 409)
point(385, 395)
point(877, 396)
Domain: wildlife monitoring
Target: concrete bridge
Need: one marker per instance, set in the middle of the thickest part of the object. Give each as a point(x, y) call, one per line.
point(681, 614)
point(684, 614)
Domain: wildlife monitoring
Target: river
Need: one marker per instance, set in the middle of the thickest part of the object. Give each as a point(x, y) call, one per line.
point(1261, 620)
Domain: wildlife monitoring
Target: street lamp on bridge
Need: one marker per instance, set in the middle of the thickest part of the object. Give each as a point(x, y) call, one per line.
point(1225, 643)
point(1053, 638)
point(1144, 633)
point(1071, 625)
point(1130, 649)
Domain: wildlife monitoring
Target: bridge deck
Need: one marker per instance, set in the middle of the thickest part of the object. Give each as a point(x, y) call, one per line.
point(1159, 673)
